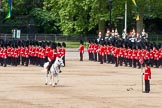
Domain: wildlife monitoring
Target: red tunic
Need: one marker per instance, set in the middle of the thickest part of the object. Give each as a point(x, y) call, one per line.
point(116, 52)
point(89, 48)
point(15, 53)
point(95, 48)
point(147, 73)
point(81, 48)
point(22, 51)
point(26, 52)
point(9, 51)
point(156, 55)
point(4, 53)
point(52, 55)
point(1, 52)
point(63, 51)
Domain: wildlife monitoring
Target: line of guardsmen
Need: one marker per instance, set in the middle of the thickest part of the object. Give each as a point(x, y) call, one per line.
point(20, 52)
point(124, 53)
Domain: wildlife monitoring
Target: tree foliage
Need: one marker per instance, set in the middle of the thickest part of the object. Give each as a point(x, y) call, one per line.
point(80, 16)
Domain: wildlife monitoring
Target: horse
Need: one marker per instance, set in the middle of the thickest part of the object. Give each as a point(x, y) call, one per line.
point(54, 71)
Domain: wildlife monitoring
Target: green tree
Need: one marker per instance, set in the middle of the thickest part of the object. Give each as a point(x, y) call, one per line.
point(80, 16)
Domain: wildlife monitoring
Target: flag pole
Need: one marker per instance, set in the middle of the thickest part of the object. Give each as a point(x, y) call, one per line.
point(142, 76)
point(125, 26)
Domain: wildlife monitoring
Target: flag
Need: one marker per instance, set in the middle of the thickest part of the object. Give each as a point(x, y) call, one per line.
point(137, 16)
point(9, 9)
point(134, 2)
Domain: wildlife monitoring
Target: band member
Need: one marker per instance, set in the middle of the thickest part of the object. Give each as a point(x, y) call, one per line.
point(147, 77)
point(81, 49)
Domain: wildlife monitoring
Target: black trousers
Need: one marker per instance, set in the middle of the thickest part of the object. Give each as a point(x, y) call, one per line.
point(26, 61)
point(81, 56)
point(95, 56)
point(147, 86)
point(101, 59)
point(50, 64)
point(4, 62)
point(116, 61)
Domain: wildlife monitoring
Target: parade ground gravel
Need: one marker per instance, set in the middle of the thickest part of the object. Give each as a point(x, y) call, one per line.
point(83, 84)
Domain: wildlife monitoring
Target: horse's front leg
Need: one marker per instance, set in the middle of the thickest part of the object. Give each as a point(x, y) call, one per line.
point(46, 79)
point(56, 79)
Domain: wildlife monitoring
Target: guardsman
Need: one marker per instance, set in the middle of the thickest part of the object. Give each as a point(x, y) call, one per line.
point(134, 55)
point(12, 54)
point(129, 56)
point(126, 57)
point(42, 55)
point(19, 49)
point(31, 52)
point(109, 53)
point(105, 52)
point(151, 58)
point(81, 50)
point(121, 55)
point(160, 56)
point(92, 49)
point(15, 56)
point(63, 52)
point(143, 54)
point(1, 54)
point(138, 58)
point(116, 56)
point(95, 50)
point(26, 55)
point(101, 52)
point(89, 50)
point(4, 55)
point(156, 59)
point(147, 77)
point(37, 47)
point(9, 55)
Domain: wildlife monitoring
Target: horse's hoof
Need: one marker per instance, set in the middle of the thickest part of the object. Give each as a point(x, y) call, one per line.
point(45, 83)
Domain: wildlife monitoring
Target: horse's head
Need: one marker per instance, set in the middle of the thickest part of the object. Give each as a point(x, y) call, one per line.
point(59, 61)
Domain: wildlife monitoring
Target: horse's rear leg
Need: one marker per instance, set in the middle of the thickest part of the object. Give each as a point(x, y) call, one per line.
point(53, 80)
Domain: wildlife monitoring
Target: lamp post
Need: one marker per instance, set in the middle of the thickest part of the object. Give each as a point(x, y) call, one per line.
point(110, 8)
